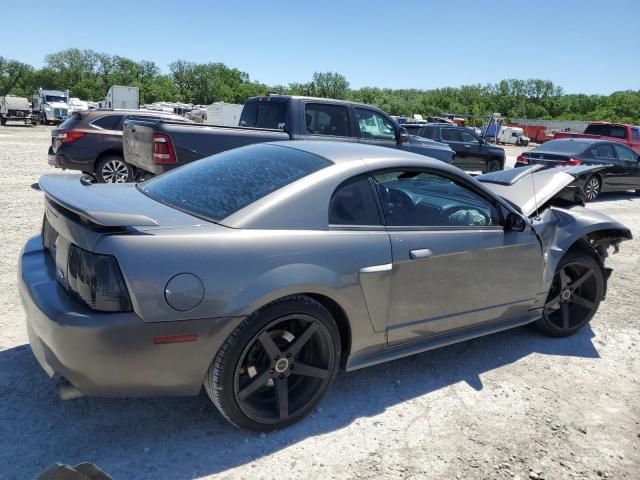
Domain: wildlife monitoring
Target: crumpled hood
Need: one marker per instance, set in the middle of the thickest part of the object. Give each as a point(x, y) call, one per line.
point(531, 187)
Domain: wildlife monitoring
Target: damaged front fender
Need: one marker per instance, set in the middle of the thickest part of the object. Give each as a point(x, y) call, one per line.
point(560, 230)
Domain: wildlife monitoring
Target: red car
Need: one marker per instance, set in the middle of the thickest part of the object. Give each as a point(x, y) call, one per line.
point(628, 135)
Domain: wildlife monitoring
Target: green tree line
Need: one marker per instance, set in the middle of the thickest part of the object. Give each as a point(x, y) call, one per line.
point(88, 74)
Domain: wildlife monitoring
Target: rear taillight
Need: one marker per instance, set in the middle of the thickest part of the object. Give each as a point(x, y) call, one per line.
point(163, 151)
point(572, 162)
point(69, 136)
point(522, 159)
point(97, 281)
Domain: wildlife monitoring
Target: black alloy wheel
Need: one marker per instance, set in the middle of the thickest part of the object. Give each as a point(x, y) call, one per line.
point(270, 377)
point(592, 189)
point(113, 169)
point(574, 296)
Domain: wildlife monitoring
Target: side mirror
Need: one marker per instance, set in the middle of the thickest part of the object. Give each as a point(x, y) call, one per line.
point(402, 135)
point(515, 222)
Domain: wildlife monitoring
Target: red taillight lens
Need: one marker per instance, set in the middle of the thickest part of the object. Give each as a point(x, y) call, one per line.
point(572, 162)
point(522, 159)
point(163, 151)
point(69, 136)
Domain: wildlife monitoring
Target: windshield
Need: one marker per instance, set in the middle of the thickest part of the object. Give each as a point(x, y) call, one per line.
point(215, 187)
point(562, 146)
point(54, 98)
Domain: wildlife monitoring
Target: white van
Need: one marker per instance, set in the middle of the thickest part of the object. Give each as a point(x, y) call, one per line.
point(513, 135)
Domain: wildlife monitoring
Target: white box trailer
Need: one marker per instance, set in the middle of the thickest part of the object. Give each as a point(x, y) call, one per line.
point(224, 114)
point(123, 97)
point(15, 109)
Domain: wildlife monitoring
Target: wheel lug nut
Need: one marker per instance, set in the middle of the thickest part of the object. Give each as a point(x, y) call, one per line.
point(288, 355)
point(272, 370)
point(291, 366)
point(281, 376)
point(277, 357)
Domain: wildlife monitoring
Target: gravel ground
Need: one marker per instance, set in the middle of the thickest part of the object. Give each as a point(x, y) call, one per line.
point(511, 405)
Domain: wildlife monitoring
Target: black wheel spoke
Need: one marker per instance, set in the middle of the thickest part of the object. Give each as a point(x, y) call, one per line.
point(583, 278)
point(269, 345)
point(282, 397)
point(565, 315)
point(259, 381)
point(582, 302)
point(554, 301)
point(300, 342)
point(309, 370)
point(564, 279)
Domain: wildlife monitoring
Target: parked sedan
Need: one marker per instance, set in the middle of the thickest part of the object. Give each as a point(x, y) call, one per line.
point(622, 171)
point(261, 271)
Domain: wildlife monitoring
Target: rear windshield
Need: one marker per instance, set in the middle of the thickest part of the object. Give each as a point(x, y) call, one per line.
point(562, 146)
point(215, 187)
point(70, 122)
point(616, 131)
point(267, 114)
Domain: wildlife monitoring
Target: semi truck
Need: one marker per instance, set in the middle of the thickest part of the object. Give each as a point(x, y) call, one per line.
point(123, 98)
point(14, 108)
point(50, 106)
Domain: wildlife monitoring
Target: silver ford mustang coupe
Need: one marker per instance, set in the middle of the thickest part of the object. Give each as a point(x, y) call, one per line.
point(262, 271)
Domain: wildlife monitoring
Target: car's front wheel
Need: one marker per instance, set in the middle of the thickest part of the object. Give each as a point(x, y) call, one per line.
point(574, 296)
point(113, 169)
point(276, 365)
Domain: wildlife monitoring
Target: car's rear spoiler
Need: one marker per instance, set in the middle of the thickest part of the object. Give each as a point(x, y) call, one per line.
point(92, 203)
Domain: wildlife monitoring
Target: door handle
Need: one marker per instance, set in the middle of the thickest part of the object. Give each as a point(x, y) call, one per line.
point(466, 145)
point(420, 254)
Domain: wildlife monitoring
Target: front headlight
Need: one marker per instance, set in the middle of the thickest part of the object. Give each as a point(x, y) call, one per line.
point(48, 109)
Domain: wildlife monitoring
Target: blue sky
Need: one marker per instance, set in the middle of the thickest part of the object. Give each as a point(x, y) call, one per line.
point(584, 46)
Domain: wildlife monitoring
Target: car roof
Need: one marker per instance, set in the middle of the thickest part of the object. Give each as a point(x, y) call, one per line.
point(344, 152)
point(586, 141)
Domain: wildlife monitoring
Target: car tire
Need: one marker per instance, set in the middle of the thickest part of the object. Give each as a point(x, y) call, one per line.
point(574, 296)
point(3, 121)
point(113, 169)
point(493, 165)
point(261, 379)
point(592, 188)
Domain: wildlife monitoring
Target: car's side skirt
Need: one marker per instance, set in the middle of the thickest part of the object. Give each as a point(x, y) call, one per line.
point(395, 352)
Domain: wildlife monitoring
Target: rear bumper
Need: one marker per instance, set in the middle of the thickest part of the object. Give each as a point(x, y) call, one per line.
point(110, 354)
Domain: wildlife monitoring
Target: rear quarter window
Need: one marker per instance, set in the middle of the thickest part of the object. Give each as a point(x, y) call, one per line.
point(71, 121)
point(267, 114)
point(218, 186)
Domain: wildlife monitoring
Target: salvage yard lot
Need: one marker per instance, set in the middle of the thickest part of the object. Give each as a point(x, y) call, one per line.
point(514, 404)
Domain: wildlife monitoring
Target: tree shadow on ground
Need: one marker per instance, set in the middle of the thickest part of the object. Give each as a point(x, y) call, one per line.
point(176, 438)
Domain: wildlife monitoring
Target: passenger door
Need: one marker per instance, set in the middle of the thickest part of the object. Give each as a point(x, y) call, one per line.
point(613, 176)
point(466, 152)
point(454, 265)
point(325, 121)
point(629, 169)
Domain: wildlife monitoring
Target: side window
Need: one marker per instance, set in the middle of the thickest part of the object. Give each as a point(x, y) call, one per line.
point(353, 204)
point(617, 132)
point(108, 122)
point(635, 134)
point(468, 137)
point(625, 153)
point(421, 199)
point(429, 132)
point(451, 135)
point(324, 119)
point(374, 125)
point(603, 152)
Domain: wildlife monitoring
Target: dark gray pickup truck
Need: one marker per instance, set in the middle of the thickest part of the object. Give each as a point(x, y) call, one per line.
point(158, 146)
